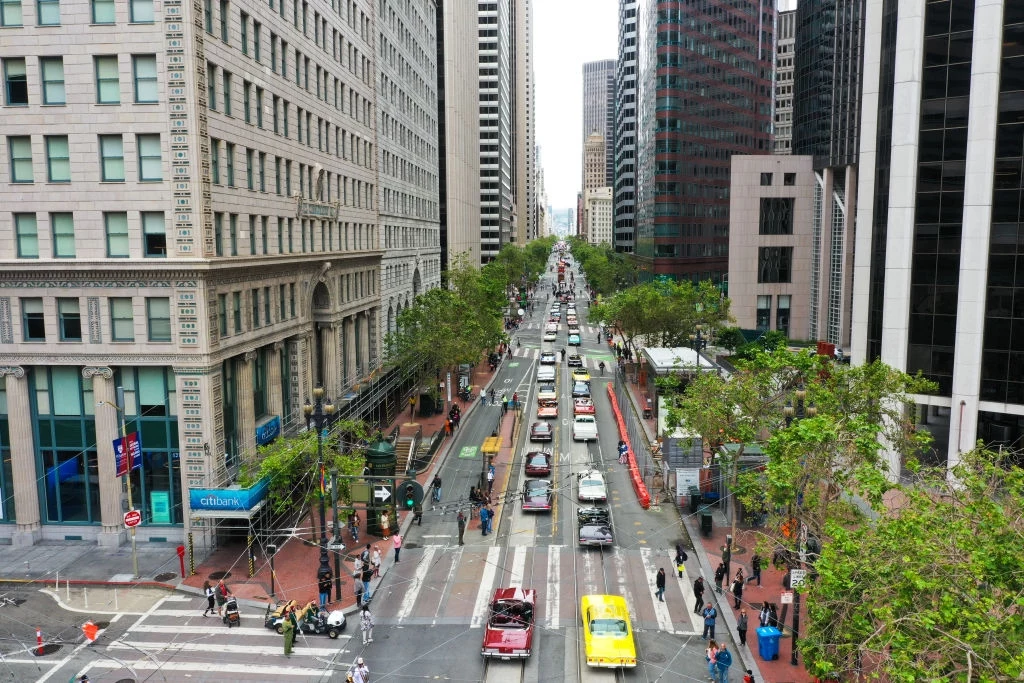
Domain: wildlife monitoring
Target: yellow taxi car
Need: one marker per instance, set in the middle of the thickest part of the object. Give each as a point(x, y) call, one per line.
point(580, 375)
point(607, 632)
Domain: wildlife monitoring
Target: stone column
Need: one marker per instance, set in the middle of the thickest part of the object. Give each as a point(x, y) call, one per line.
point(246, 415)
point(108, 428)
point(350, 350)
point(274, 391)
point(23, 457)
point(329, 344)
point(364, 343)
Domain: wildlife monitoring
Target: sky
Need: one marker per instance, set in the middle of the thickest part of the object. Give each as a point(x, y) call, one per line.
point(567, 33)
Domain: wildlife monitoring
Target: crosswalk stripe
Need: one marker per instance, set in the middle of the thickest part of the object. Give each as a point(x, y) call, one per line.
point(483, 594)
point(258, 671)
point(176, 612)
point(515, 578)
point(150, 646)
point(204, 630)
point(551, 606)
point(415, 584)
point(661, 612)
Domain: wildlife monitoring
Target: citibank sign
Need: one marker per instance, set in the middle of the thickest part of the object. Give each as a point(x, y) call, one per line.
point(232, 498)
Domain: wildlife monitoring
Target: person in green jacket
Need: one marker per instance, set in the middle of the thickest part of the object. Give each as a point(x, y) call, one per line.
point(288, 630)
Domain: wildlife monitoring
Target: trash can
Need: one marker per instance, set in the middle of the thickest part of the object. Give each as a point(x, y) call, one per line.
point(694, 493)
point(705, 521)
point(768, 643)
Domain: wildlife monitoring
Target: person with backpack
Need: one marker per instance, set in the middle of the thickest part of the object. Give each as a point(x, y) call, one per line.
point(680, 558)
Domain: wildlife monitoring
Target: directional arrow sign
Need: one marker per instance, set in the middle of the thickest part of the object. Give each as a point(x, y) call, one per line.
point(381, 493)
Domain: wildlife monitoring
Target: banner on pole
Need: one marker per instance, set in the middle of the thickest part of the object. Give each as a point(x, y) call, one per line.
point(127, 453)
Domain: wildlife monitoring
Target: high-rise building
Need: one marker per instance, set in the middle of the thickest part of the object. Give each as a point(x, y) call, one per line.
point(593, 162)
point(524, 188)
point(704, 87)
point(939, 226)
point(597, 215)
point(190, 208)
point(782, 103)
point(599, 109)
point(624, 145)
point(407, 156)
point(458, 110)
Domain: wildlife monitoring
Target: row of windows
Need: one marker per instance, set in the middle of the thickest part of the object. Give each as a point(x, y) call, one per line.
point(342, 236)
point(66, 315)
point(111, 158)
point(47, 12)
point(151, 226)
point(259, 303)
point(53, 89)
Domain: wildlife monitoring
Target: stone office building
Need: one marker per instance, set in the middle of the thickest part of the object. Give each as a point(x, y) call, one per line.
point(188, 212)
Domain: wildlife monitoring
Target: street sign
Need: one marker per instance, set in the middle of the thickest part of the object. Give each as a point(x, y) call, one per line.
point(132, 518)
point(796, 577)
point(786, 598)
point(381, 493)
point(359, 492)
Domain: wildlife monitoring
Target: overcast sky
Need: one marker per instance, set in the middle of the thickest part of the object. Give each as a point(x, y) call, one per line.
point(567, 33)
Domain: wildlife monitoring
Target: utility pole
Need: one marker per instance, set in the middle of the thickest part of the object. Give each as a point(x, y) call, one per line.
point(127, 476)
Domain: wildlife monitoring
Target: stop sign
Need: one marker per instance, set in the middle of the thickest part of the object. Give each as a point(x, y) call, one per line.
point(132, 518)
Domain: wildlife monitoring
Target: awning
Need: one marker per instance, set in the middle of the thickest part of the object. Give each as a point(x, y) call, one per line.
point(228, 514)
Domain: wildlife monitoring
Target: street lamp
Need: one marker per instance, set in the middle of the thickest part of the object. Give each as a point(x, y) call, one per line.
point(798, 413)
point(698, 342)
point(318, 415)
point(119, 407)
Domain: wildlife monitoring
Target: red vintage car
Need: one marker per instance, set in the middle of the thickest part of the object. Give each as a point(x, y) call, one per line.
point(538, 464)
point(583, 406)
point(547, 410)
point(509, 630)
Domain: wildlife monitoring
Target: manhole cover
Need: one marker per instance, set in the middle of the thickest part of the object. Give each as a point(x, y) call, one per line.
point(125, 680)
point(166, 576)
point(217, 576)
point(13, 602)
point(102, 624)
point(655, 657)
point(411, 545)
point(47, 650)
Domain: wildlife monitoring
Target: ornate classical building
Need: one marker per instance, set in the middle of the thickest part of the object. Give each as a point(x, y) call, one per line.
point(190, 212)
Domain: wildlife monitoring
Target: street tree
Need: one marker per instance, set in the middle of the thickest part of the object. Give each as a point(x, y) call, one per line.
point(932, 589)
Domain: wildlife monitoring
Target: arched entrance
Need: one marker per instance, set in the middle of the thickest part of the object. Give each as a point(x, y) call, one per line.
point(320, 306)
point(416, 283)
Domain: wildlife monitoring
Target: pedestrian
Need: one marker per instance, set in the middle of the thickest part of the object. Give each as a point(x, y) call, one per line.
point(748, 677)
point(737, 592)
point(288, 631)
point(375, 562)
point(461, 520)
point(436, 484)
point(366, 624)
point(698, 594)
point(483, 521)
point(483, 397)
point(719, 577)
point(490, 481)
point(365, 555)
point(726, 558)
point(659, 582)
point(366, 576)
point(385, 527)
point(412, 405)
point(723, 661)
point(709, 656)
point(448, 427)
point(741, 626)
point(360, 672)
point(755, 566)
point(680, 559)
point(398, 545)
point(208, 592)
point(353, 526)
point(492, 395)
point(515, 400)
point(739, 575)
point(222, 596)
point(324, 587)
point(504, 404)
point(764, 615)
point(417, 514)
point(709, 614)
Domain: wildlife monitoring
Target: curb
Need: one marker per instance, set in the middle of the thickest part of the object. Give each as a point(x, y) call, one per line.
point(95, 582)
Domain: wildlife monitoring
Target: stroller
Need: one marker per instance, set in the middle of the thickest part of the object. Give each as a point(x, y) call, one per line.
point(232, 617)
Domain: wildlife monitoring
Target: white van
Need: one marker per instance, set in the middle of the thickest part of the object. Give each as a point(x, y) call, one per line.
point(584, 428)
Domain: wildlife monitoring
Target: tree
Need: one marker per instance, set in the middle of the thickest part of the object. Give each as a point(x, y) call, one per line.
point(931, 590)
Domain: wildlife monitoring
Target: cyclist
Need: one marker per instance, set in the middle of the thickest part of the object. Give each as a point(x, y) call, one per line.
point(600, 366)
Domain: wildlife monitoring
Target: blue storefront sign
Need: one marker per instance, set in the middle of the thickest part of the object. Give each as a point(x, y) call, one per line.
point(268, 430)
point(234, 499)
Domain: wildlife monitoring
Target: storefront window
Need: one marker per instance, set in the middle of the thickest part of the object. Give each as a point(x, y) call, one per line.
point(6, 476)
point(231, 440)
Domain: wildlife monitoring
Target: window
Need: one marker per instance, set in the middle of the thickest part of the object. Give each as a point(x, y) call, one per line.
point(215, 160)
point(766, 179)
point(774, 264)
point(122, 320)
point(259, 107)
point(776, 216)
point(27, 233)
point(48, 12)
point(265, 221)
point(69, 320)
point(226, 79)
point(291, 298)
point(263, 173)
point(236, 311)
point(154, 234)
point(254, 301)
point(246, 101)
point(782, 314)
point(103, 12)
point(108, 83)
point(233, 226)
point(158, 318)
point(222, 314)
point(10, 13)
point(141, 11)
point(58, 159)
point(208, 15)
point(150, 164)
point(252, 235)
point(218, 233)
point(244, 24)
point(250, 176)
point(277, 175)
point(224, 20)
point(63, 227)
point(789, 179)
point(256, 31)
point(116, 226)
point(33, 326)
point(15, 82)
point(144, 71)
point(280, 303)
point(266, 305)
point(229, 158)
point(52, 71)
point(112, 158)
point(20, 150)
point(764, 311)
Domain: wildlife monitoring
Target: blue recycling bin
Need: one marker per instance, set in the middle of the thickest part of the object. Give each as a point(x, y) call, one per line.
point(768, 643)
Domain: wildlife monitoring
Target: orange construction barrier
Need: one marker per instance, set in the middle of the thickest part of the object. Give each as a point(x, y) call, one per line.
point(643, 497)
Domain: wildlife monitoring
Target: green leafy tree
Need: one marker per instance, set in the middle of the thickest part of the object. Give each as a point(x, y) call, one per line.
point(932, 589)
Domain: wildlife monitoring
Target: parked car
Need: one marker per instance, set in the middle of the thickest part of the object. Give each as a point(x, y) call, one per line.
point(574, 340)
point(509, 630)
point(607, 632)
point(581, 390)
point(541, 431)
point(575, 361)
point(594, 526)
point(537, 495)
point(591, 487)
point(547, 392)
point(583, 406)
point(584, 428)
point(580, 375)
point(538, 464)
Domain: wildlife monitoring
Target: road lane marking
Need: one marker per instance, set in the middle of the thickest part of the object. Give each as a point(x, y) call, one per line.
point(483, 593)
point(661, 612)
point(412, 592)
point(515, 577)
point(551, 606)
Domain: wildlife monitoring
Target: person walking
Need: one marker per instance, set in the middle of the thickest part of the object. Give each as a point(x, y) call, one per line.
point(360, 672)
point(366, 576)
point(375, 562)
point(710, 653)
point(412, 405)
point(659, 582)
point(288, 631)
point(385, 527)
point(492, 395)
point(208, 592)
point(723, 661)
point(222, 596)
point(698, 594)
point(709, 614)
point(366, 624)
point(436, 485)
point(755, 566)
point(680, 559)
point(741, 626)
point(460, 519)
point(737, 592)
point(490, 480)
point(719, 577)
point(324, 587)
point(483, 520)
point(353, 526)
point(504, 404)
point(764, 616)
point(397, 540)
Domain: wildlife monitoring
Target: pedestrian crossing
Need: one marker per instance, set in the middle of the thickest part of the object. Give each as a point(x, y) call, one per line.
point(441, 584)
point(591, 330)
point(590, 360)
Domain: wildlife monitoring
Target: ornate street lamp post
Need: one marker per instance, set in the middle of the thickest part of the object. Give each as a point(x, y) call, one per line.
point(798, 413)
point(318, 416)
point(698, 342)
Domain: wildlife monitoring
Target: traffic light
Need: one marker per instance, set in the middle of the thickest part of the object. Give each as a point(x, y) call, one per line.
point(412, 493)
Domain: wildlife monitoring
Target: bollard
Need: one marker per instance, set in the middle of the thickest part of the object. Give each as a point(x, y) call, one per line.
point(67, 590)
point(252, 558)
point(115, 599)
point(56, 586)
point(191, 556)
point(85, 596)
point(39, 641)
